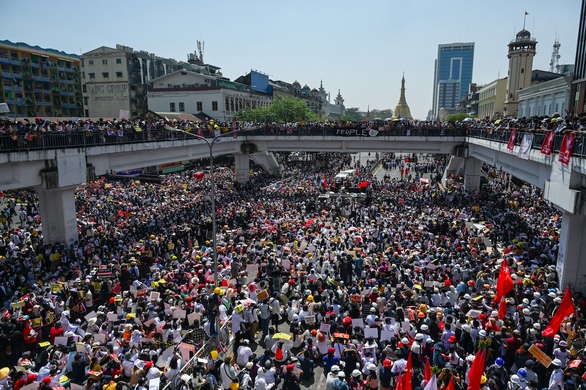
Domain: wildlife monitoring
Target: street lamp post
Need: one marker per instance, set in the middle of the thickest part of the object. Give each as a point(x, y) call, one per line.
point(213, 192)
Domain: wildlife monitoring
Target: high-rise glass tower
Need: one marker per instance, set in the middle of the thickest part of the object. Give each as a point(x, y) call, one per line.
point(453, 75)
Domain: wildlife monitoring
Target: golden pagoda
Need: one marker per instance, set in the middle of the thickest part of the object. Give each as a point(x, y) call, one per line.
point(402, 109)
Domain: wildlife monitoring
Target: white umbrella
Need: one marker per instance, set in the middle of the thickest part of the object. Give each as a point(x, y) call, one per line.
point(467, 120)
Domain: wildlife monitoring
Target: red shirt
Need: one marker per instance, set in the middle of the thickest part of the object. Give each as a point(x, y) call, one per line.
point(55, 332)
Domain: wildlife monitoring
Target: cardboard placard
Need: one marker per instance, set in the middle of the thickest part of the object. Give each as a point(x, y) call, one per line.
point(56, 288)
point(371, 333)
point(100, 338)
point(325, 328)
point(37, 322)
point(263, 294)
point(310, 320)
point(406, 326)
point(90, 315)
point(187, 351)
point(153, 384)
point(112, 317)
point(179, 314)
point(60, 340)
point(80, 348)
point(540, 356)
point(192, 317)
point(141, 293)
point(154, 297)
point(473, 313)
point(357, 322)
point(74, 386)
point(386, 335)
point(286, 264)
point(431, 266)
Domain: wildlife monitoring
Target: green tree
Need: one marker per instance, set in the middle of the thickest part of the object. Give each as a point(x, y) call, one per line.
point(352, 115)
point(282, 109)
point(458, 117)
point(382, 114)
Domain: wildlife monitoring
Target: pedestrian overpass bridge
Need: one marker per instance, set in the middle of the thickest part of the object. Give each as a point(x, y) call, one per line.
point(57, 163)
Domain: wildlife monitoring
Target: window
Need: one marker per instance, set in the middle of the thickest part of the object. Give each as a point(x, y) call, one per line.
point(118, 74)
point(172, 107)
point(104, 62)
point(522, 70)
point(85, 100)
point(91, 62)
point(83, 75)
point(92, 75)
point(105, 75)
point(199, 106)
point(118, 60)
point(214, 106)
point(181, 106)
point(84, 89)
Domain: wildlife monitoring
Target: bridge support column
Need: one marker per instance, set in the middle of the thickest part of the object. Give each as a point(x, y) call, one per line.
point(472, 172)
point(571, 262)
point(57, 209)
point(242, 164)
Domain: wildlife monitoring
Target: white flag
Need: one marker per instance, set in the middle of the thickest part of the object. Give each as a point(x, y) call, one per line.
point(525, 148)
point(432, 384)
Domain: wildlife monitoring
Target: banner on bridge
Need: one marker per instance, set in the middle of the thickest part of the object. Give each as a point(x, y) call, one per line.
point(367, 132)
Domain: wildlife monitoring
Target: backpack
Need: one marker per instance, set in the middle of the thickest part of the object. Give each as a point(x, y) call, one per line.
point(338, 385)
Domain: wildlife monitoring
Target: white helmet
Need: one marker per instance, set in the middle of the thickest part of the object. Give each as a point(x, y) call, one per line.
point(356, 373)
point(371, 367)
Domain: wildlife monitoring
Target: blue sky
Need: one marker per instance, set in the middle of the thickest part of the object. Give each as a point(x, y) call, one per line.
point(361, 47)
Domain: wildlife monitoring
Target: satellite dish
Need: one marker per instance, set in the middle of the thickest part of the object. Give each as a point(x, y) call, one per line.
point(339, 200)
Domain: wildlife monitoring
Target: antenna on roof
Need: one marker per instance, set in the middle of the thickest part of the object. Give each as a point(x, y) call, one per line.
point(200, 49)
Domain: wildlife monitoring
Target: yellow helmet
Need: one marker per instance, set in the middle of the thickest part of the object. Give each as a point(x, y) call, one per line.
point(482, 380)
point(310, 298)
point(217, 290)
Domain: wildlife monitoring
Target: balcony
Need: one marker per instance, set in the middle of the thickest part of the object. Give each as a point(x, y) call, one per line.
point(14, 61)
point(4, 60)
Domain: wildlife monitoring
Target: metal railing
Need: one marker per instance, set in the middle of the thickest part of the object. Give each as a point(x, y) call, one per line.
point(503, 136)
point(224, 336)
point(17, 142)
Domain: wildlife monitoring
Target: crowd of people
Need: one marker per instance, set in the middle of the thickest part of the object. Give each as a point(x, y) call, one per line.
point(367, 288)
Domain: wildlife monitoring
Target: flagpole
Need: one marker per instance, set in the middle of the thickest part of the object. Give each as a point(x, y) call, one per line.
point(524, 18)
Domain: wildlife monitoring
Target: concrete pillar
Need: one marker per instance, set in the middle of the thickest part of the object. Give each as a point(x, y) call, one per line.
point(571, 264)
point(242, 164)
point(472, 173)
point(57, 209)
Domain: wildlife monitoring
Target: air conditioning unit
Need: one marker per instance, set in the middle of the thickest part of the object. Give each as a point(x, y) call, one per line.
point(169, 85)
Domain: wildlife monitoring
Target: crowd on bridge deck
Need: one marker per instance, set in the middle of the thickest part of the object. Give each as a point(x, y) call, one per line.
point(374, 289)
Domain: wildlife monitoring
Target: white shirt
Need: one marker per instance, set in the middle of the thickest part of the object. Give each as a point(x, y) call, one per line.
point(244, 353)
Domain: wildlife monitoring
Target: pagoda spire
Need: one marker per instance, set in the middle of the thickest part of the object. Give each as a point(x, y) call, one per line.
point(402, 109)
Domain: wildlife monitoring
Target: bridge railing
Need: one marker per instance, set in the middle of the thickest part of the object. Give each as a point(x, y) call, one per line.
point(503, 136)
point(60, 140)
point(15, 142)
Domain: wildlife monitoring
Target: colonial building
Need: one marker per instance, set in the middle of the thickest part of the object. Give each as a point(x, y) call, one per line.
point(39, 82)
point(197, 93)
point(545, 98)
point(491, 99)
point(578, 96)
point(521, 53)
point(115, 79)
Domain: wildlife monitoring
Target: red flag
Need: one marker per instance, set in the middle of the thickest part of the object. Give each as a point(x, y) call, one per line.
point(504, 283)
point(363, 185)
point(357, 172)
point(399, 383)
point(547, 145)
point(325, 183)
point(476, 370)
point(408, 376)
point(503, 308)
point(512, 140)
point(199, 176)
point(566, 148)
point(450, 385)
point(566, 308)
point(427, 370)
